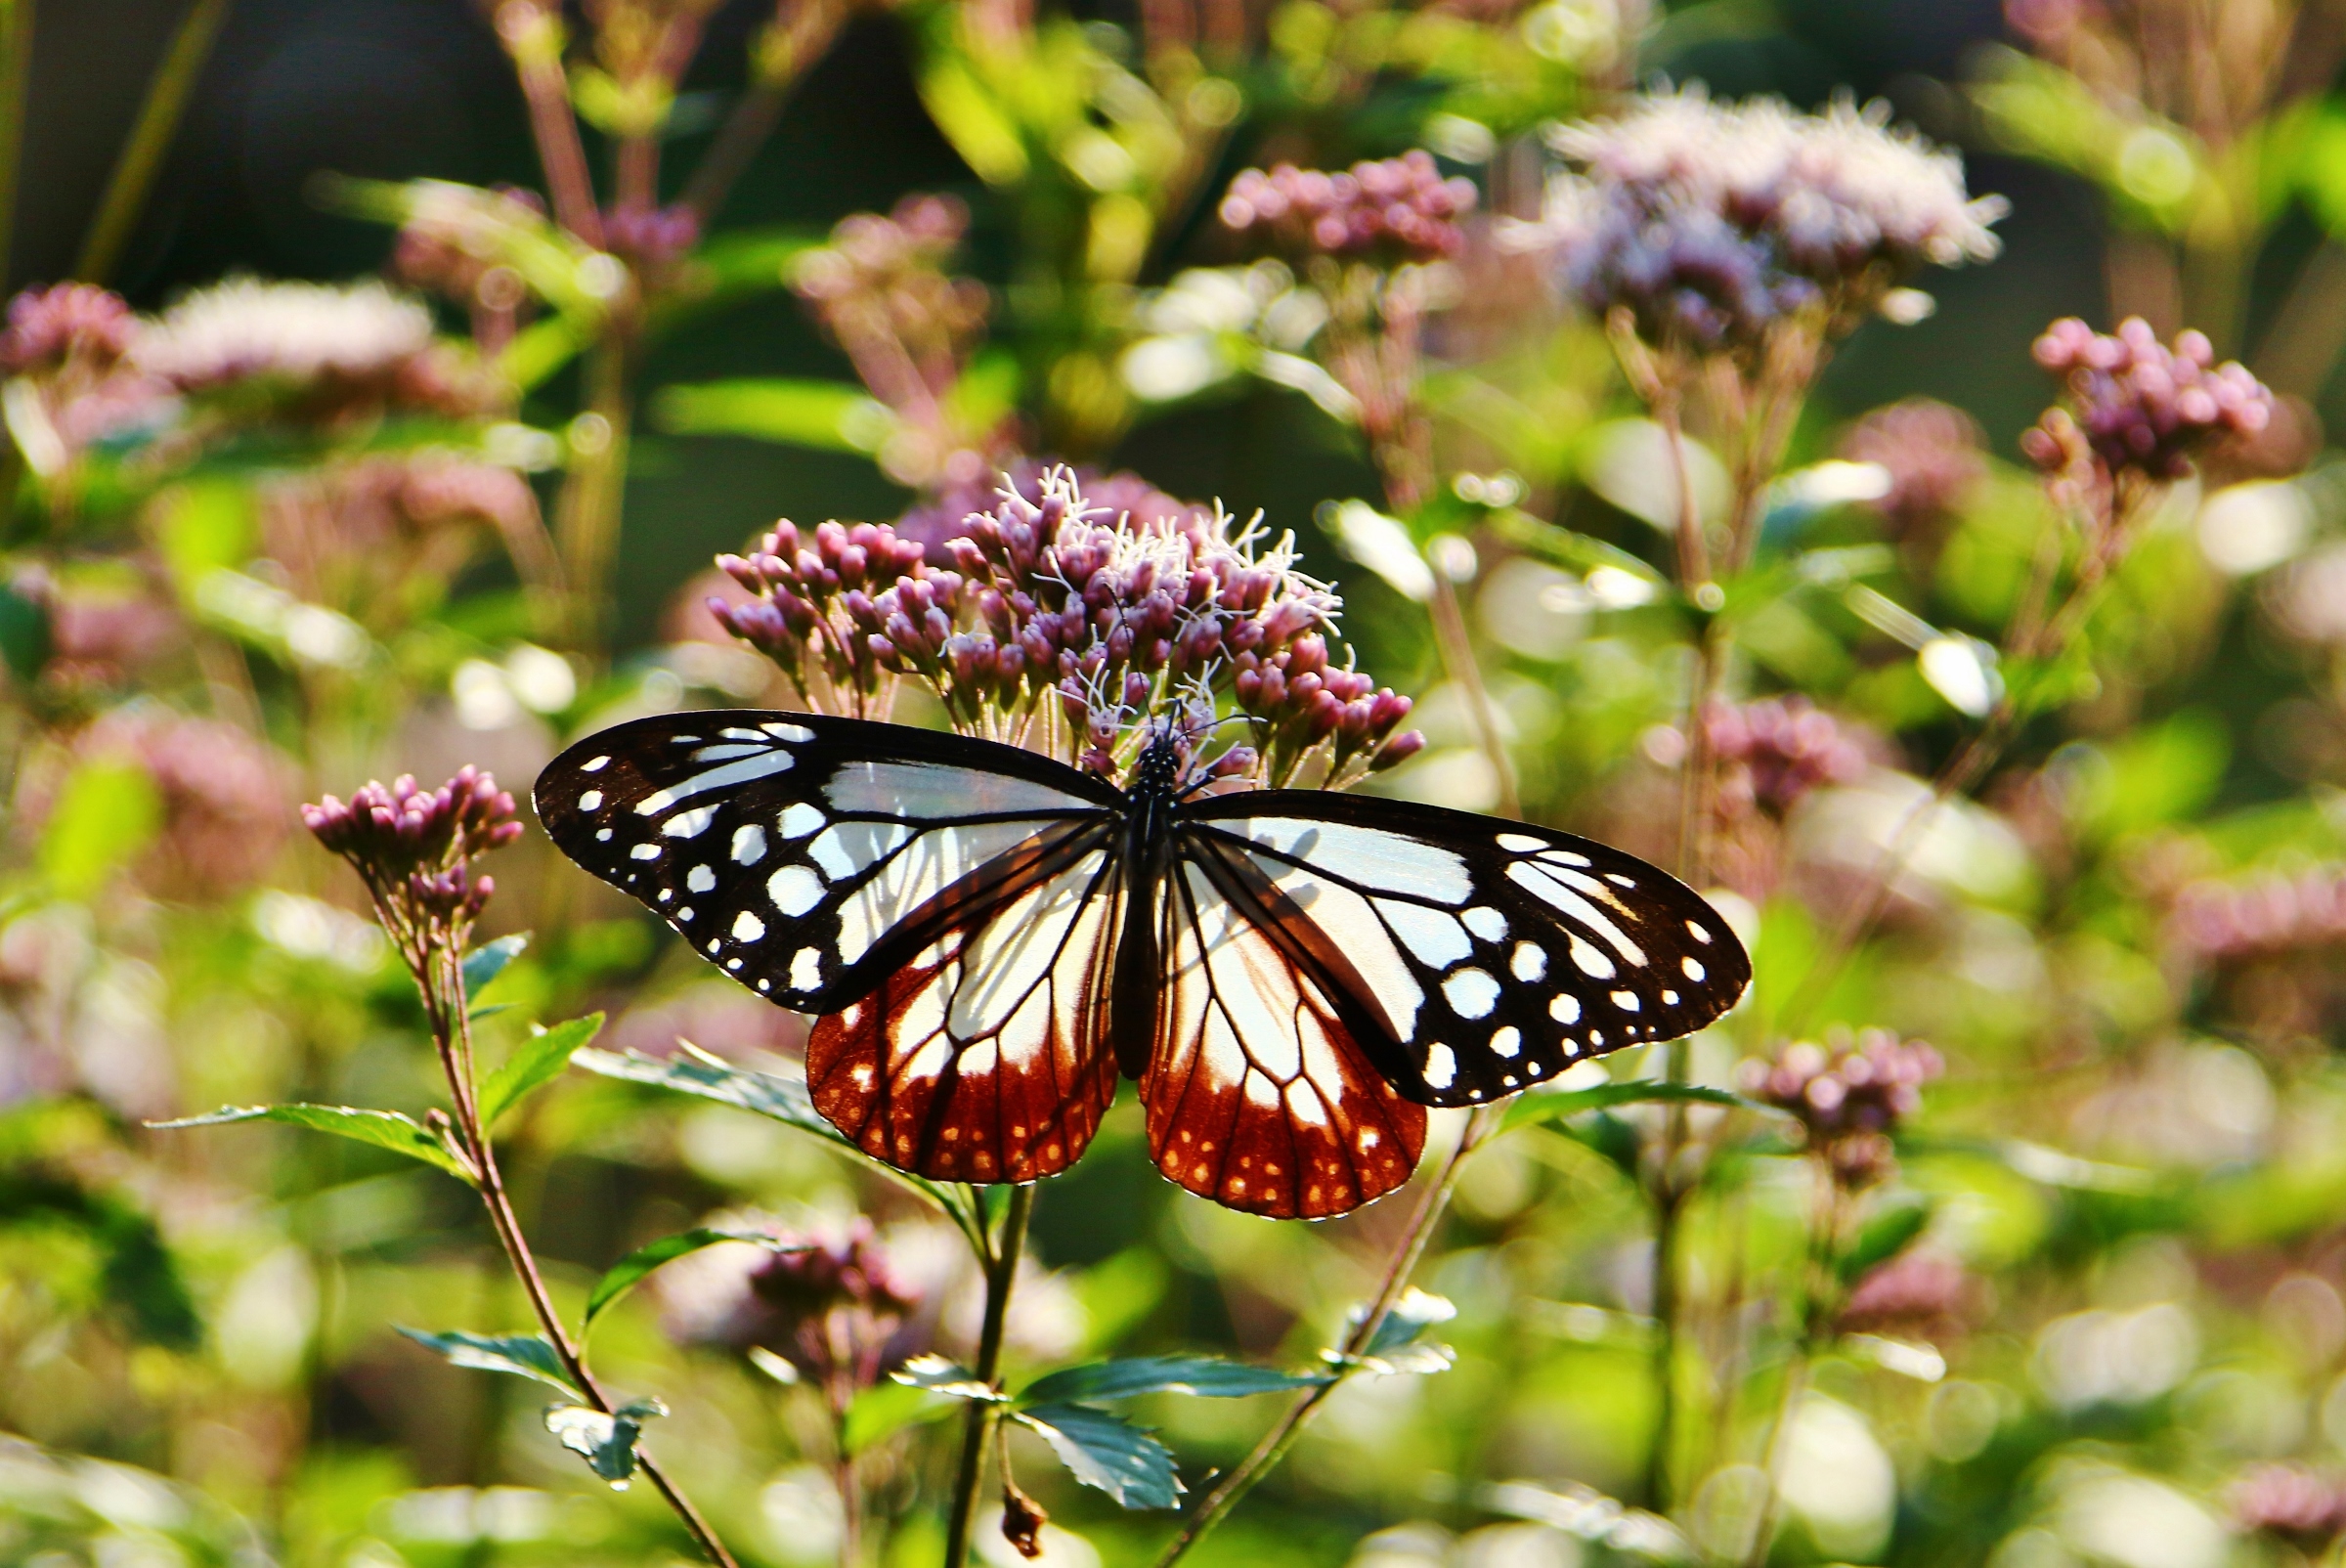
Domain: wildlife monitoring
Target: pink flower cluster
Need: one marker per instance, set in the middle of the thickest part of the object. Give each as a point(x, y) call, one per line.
point(1048, 602)
point(1849, 1096)
point(1936, 456)
point(834, 1307)
point(651, 240)
point(2135, 405)
point(413, 848)
point(1922, 1293)
point(1776, 750)
point(1390, 211)
point(48, 326)
point(2301, 1506)
point(2263, 915)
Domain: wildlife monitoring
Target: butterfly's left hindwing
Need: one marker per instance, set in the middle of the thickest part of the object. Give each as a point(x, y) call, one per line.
point(1478, 957)
point(812, 857)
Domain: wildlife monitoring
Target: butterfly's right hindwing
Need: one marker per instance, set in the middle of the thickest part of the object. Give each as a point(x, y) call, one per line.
point(810, 857)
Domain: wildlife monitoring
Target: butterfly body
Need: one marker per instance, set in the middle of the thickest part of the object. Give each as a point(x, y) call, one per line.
point(991, 939)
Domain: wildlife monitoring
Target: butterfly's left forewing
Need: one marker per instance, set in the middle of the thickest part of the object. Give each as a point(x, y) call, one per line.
point(811, 857)
point(1479, 958)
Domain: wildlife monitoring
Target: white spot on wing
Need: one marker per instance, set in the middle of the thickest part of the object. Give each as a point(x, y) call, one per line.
point(1520, 842)
point(806, 969)
point(795, 889)
point(1589, 962)
point(1471, 992)
point(798, 732)
point(799, 819)
point(1507, 1040)
point(747, 927)
point(644, 852)
point(1564, 1008)
point(591, 801)
point(1696, 930)
point(1693, 968)
point(749, 845)
point(1546, 885)
point(688, 824)
point(1530, 962)
point(594, 764)
point(846, 848)
point(1486, 923)
point(700, 878)
point(1627, 1001)
point(1441, 1066)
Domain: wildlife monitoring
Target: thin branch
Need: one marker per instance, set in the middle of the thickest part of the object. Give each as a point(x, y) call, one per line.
point(1001, 1277)
point(151, 138)
point(16, 80)
point(532, 36)
point(1398, 1271)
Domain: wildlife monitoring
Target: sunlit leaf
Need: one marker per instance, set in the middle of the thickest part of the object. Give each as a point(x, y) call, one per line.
point(1543, 1106)
point(489, 960)
point(937, 1374)
point(521, 1355)
point(1884, 1235)
point(535, 1063)
point(883, 1410)
point(606, 1442)
point(828, 416)
point(1206, 1375)
point(1108, 1452)
point(623, 1275)
point(384, 1129)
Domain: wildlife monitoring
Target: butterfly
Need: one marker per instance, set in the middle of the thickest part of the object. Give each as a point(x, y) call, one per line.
point(992, 939)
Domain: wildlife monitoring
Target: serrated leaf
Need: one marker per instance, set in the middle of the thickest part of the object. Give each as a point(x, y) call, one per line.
point(1209, 1376)
point(1108, 1452)
point(1884, 1235)
point(385, 1129)
point(938, 1375)
point(535, 1063)
point(783, 1099)
point(606, 1442)
point(521, 1355)
point(1554, 1104)
point(624, 1274)
point(1415, 1312)
point(489, 960)
point(1412, 1360)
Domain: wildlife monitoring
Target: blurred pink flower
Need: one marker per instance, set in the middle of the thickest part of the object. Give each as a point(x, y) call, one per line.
point(1849, 1096)
point(1935, 455)
point(1391, 211)
point(2137, 406)
point(2300, 1504)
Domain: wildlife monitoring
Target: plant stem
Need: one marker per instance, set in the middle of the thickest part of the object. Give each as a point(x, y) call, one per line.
point(15, 81)
point(1001, 1275)
point(1274, 1447)
point(1820, 1303)
point(532, 36)
point(150, 140)
point(443, 986)
point(586, 514)
point(1458, 654)
point(1668, 1201)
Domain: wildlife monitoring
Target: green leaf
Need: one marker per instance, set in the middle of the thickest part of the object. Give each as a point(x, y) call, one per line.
point(1554, 1104)
point(939, 1375)
point(624, 1274)
point(607, 1443)
point(107, 813)
point(206, 527)
point(1884, 1235)
point(385, 1129)
point(1108, 1452)
point(521, 1355)
point(985, 137)
point(489, 960)
point(137, 1272)
point(696, 1072)
point(540, 349)
point(535, 1063)
point(1398, 1344)
point(828, 416)
point(1208, 1375)
point(883, 1410)
point(24, 640)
